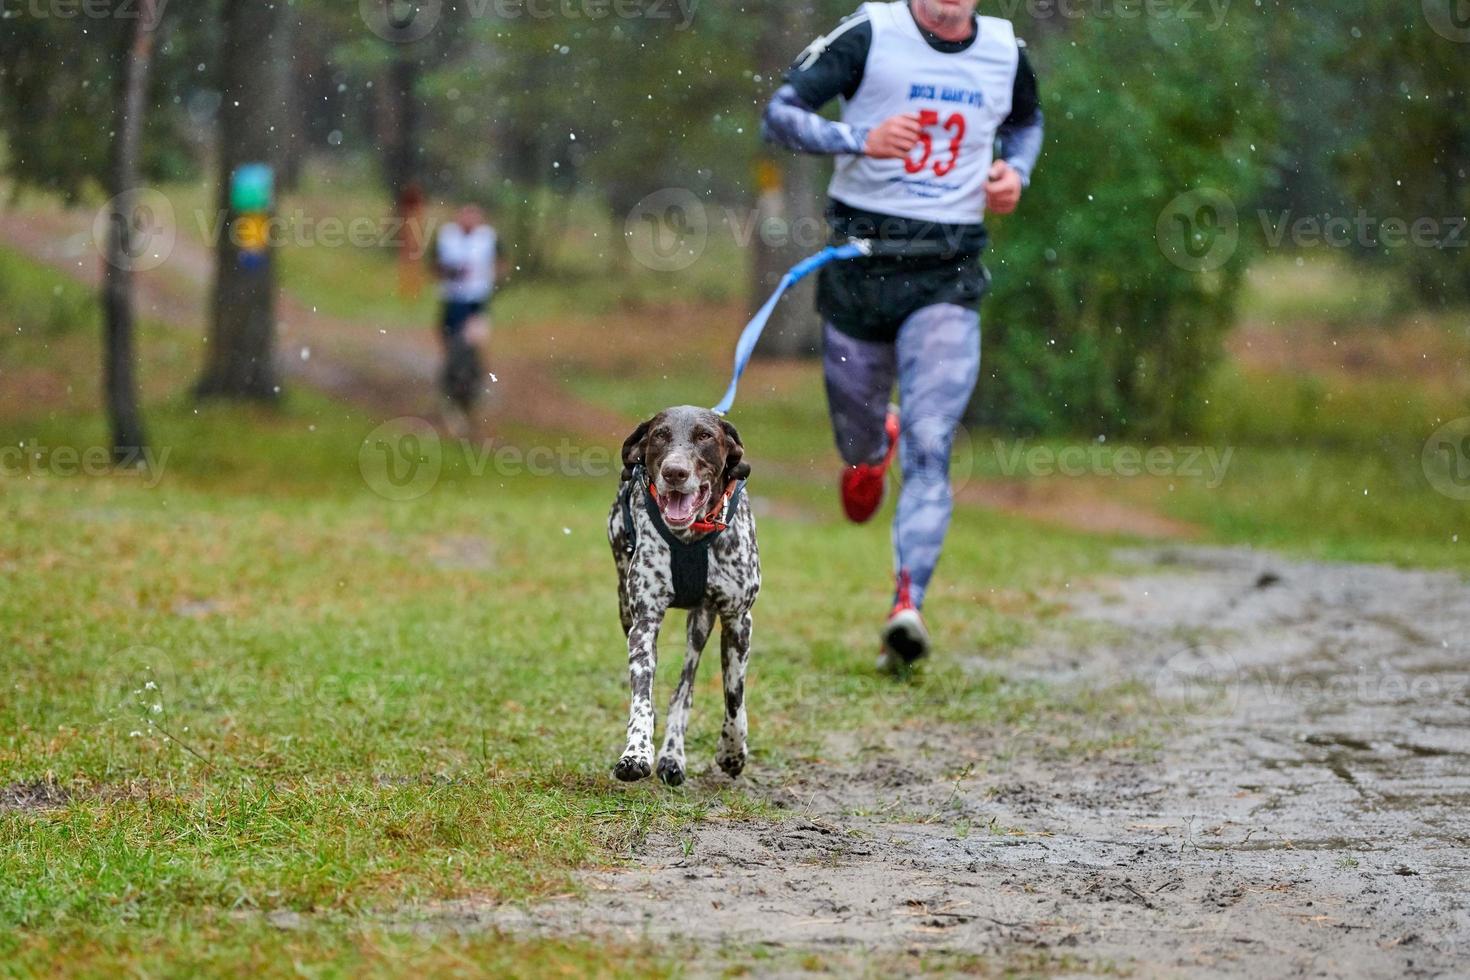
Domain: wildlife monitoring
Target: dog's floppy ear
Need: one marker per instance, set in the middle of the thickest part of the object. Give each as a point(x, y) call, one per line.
point(736, 468)
point(633, 449)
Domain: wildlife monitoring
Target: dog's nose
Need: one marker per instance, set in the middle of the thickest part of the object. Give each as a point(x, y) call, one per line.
point(675, 475)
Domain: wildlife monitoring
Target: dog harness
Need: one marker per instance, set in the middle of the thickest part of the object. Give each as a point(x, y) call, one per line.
point(688, 560)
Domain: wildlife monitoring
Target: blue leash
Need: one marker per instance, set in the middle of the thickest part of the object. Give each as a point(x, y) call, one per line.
point(752, 332)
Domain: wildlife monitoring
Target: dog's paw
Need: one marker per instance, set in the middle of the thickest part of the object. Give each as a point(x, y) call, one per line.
point(670, 771)
point(732, 761)
point(631, 768)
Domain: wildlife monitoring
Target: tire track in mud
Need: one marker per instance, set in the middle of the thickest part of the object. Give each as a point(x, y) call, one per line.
point(1305, 813)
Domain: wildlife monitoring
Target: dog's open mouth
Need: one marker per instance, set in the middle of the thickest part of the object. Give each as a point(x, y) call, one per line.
point(681, 508)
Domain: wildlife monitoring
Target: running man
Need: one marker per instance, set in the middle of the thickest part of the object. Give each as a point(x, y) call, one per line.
point(465, 262)
point(927, 89)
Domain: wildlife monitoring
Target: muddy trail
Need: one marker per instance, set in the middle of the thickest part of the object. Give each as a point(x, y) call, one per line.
point(1304, 812)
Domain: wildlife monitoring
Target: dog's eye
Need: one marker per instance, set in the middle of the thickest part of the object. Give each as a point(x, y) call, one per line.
point(703, 435)
point(663, 435)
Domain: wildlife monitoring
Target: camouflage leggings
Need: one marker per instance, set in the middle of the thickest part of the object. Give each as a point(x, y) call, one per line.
point(936, 361)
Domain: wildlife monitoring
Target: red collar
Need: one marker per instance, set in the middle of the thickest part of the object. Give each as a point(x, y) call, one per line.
point(712, 521)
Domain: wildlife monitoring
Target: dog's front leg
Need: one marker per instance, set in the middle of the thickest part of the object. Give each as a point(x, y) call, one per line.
point(734, 655)
point(637, 760)
point(671, 759)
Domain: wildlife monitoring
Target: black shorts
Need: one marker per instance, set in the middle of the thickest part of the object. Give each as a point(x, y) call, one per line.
point(456, 314)
point(870, 298)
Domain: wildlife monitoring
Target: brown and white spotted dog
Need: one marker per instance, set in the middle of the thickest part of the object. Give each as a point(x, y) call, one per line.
point(692, 546)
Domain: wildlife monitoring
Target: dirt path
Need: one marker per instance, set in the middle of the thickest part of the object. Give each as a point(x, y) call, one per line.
point(1305, 814)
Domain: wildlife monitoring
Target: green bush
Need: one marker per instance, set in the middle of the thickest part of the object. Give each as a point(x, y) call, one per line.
point(1118, 277)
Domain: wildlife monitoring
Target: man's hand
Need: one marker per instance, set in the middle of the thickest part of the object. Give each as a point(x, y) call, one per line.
point(1003, 189)
point(893, 138)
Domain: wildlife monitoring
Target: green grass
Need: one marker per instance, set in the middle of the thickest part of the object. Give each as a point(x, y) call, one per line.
point(50, 348)
point(38, 305)
point(246, 944)
point(259, 687)
point(263, 687)
point(1334, 505)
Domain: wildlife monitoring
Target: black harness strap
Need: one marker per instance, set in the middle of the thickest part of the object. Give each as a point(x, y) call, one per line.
point(688, 560)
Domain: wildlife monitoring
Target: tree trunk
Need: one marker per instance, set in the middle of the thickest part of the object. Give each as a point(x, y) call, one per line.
point(119, 383)
point(789, 224)
point(240, 361)
point(301, 90)
point(400, 123)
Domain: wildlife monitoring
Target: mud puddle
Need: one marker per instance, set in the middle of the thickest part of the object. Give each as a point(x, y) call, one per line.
point(1305, 813)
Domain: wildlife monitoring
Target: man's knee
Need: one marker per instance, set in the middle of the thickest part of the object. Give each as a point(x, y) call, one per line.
point(926, 447)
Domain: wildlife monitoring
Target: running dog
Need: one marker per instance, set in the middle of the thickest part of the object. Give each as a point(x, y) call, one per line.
point(683, 537)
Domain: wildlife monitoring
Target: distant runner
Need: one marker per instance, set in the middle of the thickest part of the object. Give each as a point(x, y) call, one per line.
point(465, 262)
point(927, 89)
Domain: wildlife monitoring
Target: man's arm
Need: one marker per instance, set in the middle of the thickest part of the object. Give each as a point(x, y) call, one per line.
point(1020, 143)
point(796, 125)
point(1022, 131)
point(832, 66)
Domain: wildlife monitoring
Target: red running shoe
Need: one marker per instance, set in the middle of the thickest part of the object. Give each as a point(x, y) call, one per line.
point(905, 638)
point(863, 484)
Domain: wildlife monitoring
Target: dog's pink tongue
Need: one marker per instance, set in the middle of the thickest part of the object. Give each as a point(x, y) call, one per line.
point(678, 506)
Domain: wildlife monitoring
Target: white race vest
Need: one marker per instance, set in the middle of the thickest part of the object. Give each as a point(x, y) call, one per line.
point(474, 254)
point(962, 99)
